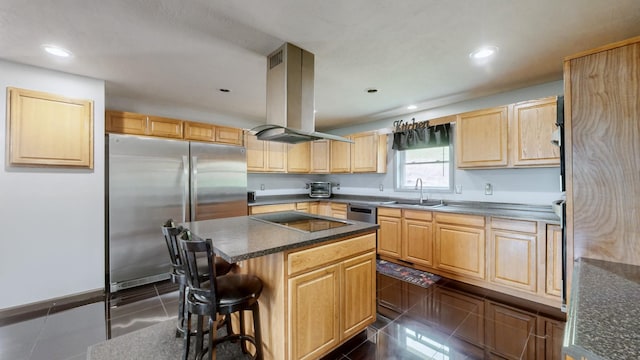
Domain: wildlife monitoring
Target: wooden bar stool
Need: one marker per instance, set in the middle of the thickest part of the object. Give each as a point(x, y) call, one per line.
point(177, 273)
point(222, 295)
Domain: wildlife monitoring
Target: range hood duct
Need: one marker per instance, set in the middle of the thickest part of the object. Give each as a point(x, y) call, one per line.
point(290, 98)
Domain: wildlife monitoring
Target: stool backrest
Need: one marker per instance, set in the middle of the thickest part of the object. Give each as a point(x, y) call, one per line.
point(191, 251)
point(171, 233)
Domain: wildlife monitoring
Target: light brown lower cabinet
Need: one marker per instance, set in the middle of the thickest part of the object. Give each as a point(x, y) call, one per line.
point(406, 235)
point(315, 298)
point(460, 244)
point(513, 253)
point(263, 209)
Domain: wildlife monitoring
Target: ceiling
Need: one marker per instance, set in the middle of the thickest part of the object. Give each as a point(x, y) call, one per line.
point(180, 53)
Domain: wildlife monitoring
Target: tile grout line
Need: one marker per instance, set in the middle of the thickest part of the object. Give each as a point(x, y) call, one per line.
point(46, 318)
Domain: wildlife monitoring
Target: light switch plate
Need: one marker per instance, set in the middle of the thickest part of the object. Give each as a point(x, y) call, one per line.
point(488, 189)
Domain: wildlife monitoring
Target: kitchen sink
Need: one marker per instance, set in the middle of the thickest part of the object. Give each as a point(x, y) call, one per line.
point(425, 203)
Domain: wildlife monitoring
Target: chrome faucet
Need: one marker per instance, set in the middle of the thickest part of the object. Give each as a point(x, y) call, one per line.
point(419, 180)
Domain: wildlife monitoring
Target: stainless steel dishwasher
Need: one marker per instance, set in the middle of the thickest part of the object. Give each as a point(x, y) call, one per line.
point(362, 212)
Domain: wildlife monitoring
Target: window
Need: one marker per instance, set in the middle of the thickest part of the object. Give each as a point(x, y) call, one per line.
point(432, 165)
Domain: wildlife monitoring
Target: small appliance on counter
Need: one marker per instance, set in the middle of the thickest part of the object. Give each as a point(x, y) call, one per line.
point(320, 189)
point(251, 196)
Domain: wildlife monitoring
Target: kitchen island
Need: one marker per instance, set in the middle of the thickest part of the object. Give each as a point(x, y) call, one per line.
point(319, 278)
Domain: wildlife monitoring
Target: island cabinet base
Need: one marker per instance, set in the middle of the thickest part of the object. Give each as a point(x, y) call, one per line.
point(315, 298)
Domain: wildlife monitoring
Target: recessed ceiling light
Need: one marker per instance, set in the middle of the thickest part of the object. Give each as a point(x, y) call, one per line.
point(412, 107)
point(484, 52)
point(57, 50)
point(371, 90)
point(224, 90)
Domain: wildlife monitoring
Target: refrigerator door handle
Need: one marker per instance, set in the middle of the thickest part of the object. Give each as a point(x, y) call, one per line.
point(185, 188)
point(194, 187)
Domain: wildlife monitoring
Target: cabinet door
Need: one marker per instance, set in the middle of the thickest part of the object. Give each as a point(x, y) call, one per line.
point(164, 127)
point(126, 123)
point(512, 259)
point(364, 152)
point(507, 332)
point(276, 154)
point(460, 250)
point(298, 157)
point(255, 153)
point(481, 138)
point(340, 156)
point(339, 210)
point(199, 131)
point(313, 208)
point(302, 206)
point(553, 284)
point(324, 208)
point(417, 241)
point(320, 157)
point(389, 236)
point(228, 135)
point(531, 127)
point(551, 336)
point(358, 294)
point(314, 310)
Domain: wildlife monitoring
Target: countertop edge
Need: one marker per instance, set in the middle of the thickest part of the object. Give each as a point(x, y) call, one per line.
point(522, 214)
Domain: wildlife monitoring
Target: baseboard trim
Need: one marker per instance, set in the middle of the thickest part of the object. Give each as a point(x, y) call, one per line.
point(50, 306)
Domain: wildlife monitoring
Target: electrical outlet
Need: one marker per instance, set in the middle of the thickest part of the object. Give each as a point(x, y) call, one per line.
point(458, 189)
point(261, 186)
point(381, 187)
point(338, 186)
point(488, 189)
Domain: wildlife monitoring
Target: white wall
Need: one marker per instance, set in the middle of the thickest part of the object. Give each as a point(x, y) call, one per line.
point(52, 242)
point(525, 186)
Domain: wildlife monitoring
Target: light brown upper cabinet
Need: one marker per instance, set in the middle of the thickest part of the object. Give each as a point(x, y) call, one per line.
point(340, 155)
point(530, 130)
point(49, 130)
point(199, 131)
point(481, 138)
point(516, 135)
point(265, 156)
point(369, 153)
point(320, 157)
point(298, 157)
point(123, 122)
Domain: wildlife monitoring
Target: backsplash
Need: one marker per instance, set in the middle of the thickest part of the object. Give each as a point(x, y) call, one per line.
point(537, 186)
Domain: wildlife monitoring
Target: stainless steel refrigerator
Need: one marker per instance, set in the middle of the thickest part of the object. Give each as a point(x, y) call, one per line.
point(151, 180)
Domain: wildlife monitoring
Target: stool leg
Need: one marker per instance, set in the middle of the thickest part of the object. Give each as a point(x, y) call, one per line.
point(181, 311)
point(257, 333)
point(200, 334)
point(227, 320)
point(185, 337)
point(243, 344)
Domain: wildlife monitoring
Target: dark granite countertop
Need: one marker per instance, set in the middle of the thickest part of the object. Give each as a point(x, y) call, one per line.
point(245, 237)
point(604, 311)
point(511, 211)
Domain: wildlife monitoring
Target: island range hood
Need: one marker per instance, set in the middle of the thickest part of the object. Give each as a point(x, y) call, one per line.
point(290, 98)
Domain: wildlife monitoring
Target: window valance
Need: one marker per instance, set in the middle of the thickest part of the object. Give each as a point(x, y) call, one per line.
point(420, 135)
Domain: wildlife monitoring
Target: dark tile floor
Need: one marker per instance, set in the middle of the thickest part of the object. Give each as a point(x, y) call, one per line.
point(448, 320)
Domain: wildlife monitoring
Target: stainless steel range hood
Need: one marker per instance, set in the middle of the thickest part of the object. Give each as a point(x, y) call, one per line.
point(290, 98)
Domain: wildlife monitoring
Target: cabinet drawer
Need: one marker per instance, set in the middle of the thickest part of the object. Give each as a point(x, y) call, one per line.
point(514, 225)
point(338, 207)
point(390, 212)
point(324, 254)
point(468, 220)
point(261, 209)
point(418, 215)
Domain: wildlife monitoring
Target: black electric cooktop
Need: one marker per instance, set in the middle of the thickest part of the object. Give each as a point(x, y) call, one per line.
point(300, 221)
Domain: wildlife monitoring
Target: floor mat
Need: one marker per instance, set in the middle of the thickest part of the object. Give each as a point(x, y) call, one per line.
point(416, 277)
